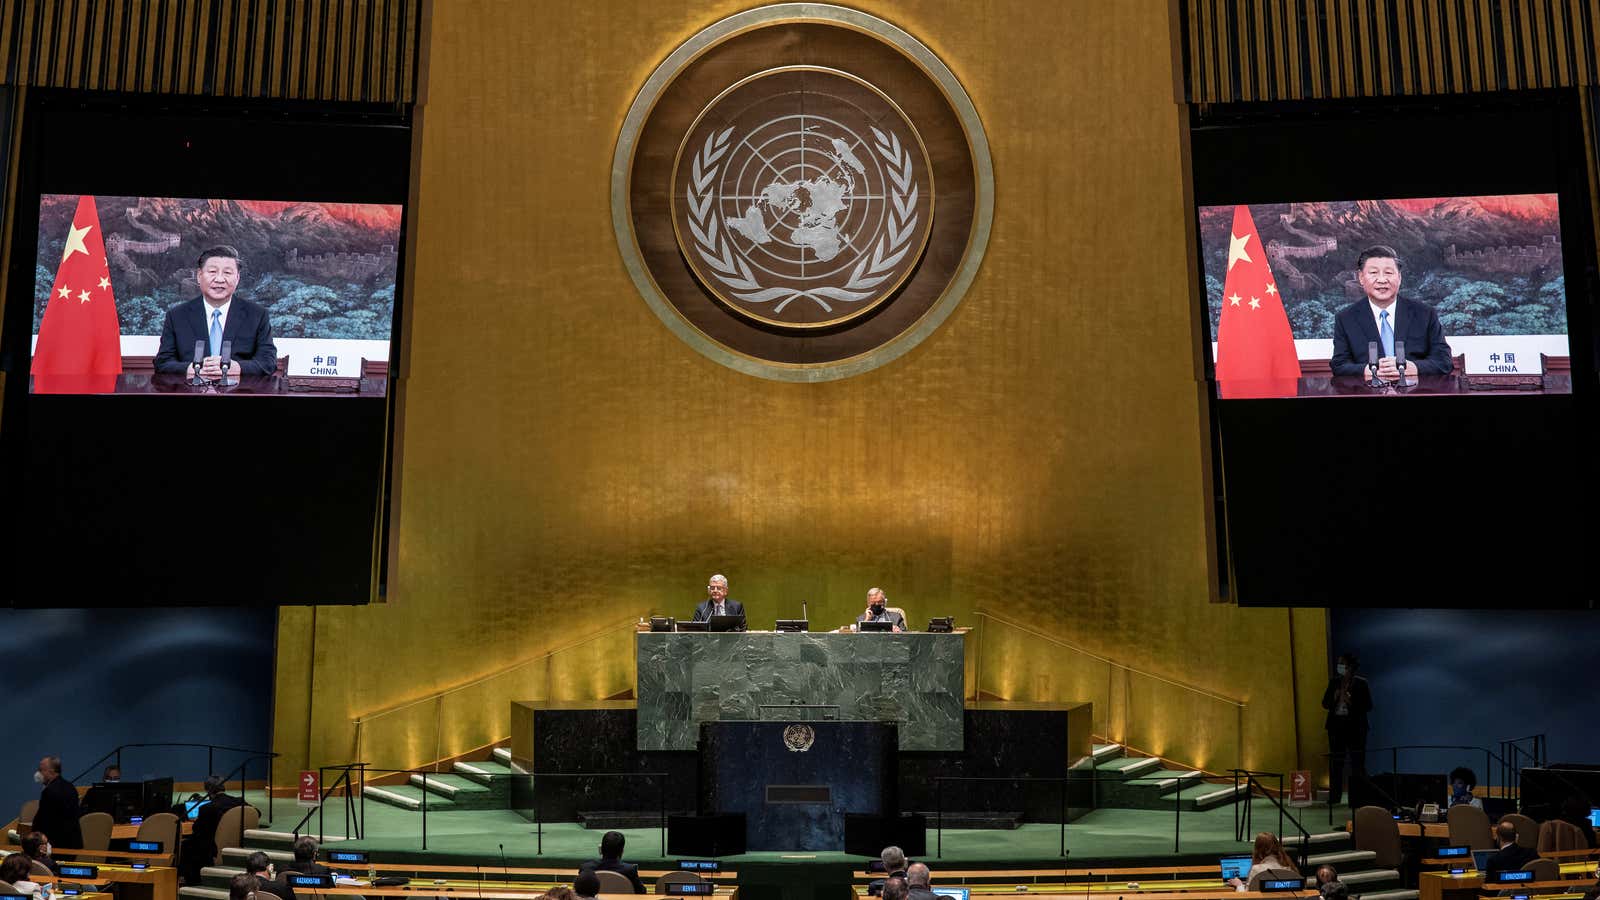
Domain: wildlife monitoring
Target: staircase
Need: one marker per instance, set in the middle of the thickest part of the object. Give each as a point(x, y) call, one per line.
point(482, 784)
point(1143, 782)
point(1357, 868)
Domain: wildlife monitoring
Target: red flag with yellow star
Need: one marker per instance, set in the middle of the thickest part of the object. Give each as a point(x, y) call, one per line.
point(1255, 346)
point(79, 350)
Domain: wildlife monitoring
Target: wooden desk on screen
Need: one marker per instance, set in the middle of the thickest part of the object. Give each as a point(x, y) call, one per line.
point(154, 883)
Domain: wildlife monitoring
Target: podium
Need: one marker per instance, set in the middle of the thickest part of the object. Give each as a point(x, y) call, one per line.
point(794, 782)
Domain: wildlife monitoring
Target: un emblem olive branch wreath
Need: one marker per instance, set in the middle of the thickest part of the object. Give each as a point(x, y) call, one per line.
point(731, 269)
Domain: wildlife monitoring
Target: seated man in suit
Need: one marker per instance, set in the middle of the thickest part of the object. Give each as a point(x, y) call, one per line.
point(305, 858)
point(611, 860)
point(214, 317)
point(1383, 317)
point(261, 867)
point(879, 611)
point(200, 847)
point(58, 810)
point(586, 885)
point(918, 881)
point(717, 602)
point(1511, 856)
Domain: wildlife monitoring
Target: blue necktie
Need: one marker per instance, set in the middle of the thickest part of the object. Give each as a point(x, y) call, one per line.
point(1384, 332)
point(216, 332)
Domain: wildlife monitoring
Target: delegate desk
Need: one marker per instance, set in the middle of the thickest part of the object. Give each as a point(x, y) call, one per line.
point(154, 883)
point(916, 680)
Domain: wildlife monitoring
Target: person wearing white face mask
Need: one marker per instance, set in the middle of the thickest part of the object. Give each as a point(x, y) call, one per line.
point(58, 806)
point(1348, 699)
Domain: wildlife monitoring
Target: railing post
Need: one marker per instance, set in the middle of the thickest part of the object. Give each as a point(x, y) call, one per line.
point(938, 817)
point(322, 832)
point(1063, 812)
point(1177, 816)
point(424, 809)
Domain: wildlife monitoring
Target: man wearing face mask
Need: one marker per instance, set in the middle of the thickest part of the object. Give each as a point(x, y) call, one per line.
point(58, 806)
point(1348, 699)
point(878, 611)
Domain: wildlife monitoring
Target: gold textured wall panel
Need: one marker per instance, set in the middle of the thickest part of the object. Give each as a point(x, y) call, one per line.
point(568, 464)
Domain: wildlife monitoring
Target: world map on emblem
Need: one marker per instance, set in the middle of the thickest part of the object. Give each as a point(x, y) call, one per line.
point(802, 197)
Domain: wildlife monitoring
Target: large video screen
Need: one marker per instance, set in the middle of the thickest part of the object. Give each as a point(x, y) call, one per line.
point(1333, 298)
point(196, 296)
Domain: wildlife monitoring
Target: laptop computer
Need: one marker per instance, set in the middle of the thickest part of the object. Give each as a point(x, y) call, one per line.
point(191, 808)
point(726, 623)
point(1235, 867)
point(879, 625)
point(1594, 816)
point(954, 893)
point(1480, 859)
point(691, 625)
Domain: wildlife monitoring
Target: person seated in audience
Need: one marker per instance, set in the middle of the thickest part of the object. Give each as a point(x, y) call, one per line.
point(36, 847)
point(586, 885)
point(892, 862)
point(1267, 855)
point(15, 870)
point(200, 847)
point(261, 867)
point(918, 881)
point(112, 774)
point(1575, 811)
point(611, 860)
point(1329, 885)
point(1462, 781)
point(1511, 855)
point(896, 889)
point(305, 858)
point(559, 892)
point(242, 887)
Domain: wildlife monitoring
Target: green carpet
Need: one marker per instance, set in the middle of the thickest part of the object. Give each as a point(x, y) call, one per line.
point(474, 837)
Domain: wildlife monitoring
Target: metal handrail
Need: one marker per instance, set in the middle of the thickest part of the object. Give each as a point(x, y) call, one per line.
point(1090, 776)
point(1394, 764)
point(1242, 822)
point(210, 755)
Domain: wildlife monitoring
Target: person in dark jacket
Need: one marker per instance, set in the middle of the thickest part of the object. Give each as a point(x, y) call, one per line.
point(611, 860)
point(200, 848)
point(58, 810)
point(1348, 699)
point(1511, 856)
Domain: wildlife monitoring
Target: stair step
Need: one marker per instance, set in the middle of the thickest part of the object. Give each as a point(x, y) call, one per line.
point(407, 797)
point(1207, 796)
point(484, 773)
point(237, 855)
point(449, 787)
point(218, 876)
point(502, 755)
point(1320, 839)
point(1387, 895)
point(1370, 878)
point(1342, 859)
point(203, 893)
point(1167, 780)
point(1129, 767)
point(1106, 751)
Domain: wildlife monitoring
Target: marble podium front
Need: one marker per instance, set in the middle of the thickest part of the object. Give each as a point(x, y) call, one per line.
point(916, 680)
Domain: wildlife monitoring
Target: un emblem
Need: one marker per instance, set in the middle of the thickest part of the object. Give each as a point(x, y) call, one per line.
point(804, 197)
point(773, 192)
point(799, 738)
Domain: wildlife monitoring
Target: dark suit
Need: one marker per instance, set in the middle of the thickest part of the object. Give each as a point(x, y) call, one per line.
point(247, 327)
point(1347, 734)
point(200, 848)
point(1354, 328)
point(922, 894)
point(58, 814)
point(310, 868)
point(278, 889)
point(1510, 859)
point(702, 613)
point(626, 870)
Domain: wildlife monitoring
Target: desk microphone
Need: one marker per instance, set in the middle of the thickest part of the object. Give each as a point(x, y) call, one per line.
point(1400, 360)
point(199, 357)
point(803, 613)
point(1372, 359)
point(505, 873)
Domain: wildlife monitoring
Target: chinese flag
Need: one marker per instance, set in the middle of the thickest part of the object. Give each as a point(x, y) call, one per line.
point(78, 349)
point(1255, 348)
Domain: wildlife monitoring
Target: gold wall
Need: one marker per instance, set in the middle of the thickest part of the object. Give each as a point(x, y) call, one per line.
point(567, 464)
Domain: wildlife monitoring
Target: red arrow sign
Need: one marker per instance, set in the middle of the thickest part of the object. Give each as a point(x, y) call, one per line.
point(310, 789)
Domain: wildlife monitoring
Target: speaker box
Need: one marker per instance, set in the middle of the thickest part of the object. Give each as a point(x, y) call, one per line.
point(705, 835)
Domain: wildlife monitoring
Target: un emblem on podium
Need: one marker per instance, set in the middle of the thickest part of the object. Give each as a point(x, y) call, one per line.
point(802, 192)
point(799, 737)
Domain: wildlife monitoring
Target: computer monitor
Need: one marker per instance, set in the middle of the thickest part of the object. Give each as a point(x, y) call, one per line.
point(1480, 859)
point(792, 625)
point(691, 625)
point(157, 795)
point(1235, 867)
point(1594, 816)
point(726, 623)
point(122, 800)
point(879, 625)
point(954, 893)
point(191, 808)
